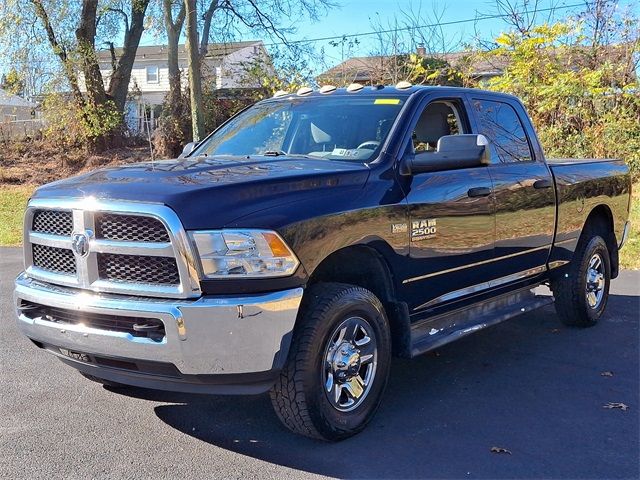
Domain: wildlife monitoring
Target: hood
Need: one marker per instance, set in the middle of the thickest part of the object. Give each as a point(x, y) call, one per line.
point(210, 192)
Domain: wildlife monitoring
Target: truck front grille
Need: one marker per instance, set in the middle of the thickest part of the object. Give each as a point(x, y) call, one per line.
point(138, 269)
point(53, 222)
point(52, 259)
point(130, 228)
point(110, 247)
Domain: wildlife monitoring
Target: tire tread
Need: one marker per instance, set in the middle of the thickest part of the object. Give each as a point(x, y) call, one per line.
point(287, 395)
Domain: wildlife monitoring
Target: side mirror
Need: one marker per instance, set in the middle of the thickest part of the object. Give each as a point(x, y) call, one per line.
point(188, 148)
point(453, 152)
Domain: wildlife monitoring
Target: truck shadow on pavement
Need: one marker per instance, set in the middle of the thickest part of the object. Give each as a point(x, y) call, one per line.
point(530, 385)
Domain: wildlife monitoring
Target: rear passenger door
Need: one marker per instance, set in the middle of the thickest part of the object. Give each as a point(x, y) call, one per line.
point(523, 188)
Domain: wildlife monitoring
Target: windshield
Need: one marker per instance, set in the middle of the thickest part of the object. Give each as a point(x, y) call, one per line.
point(338, 128)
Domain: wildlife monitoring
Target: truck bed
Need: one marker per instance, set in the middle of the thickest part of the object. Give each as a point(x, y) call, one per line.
point(581, 185)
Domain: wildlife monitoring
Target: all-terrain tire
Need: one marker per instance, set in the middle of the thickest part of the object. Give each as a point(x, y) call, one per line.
point(570, 288)
point(300, 396)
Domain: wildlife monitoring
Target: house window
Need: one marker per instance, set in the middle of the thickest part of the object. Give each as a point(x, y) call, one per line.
point(152, 74)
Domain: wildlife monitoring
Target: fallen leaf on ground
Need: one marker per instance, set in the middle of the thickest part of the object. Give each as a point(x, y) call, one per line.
point(500, 450)
point(607, 374)
point(617, 405)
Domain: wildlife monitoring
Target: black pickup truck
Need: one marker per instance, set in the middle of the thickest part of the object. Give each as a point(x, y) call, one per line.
point(309, 239)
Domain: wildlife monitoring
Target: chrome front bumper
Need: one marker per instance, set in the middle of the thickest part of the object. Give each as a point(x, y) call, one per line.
point(218, 336)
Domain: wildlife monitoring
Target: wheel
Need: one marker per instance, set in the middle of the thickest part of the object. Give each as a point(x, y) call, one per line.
point(583, 290)
point(338, 363)
point(106, 383)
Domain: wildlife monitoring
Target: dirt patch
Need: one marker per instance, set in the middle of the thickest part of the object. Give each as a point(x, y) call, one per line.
point(37, 162)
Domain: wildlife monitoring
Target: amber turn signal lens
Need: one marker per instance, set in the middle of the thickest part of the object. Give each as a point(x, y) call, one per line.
point(277, 246)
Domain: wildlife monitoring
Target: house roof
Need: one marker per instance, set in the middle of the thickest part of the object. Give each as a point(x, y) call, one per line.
point(159, 52)
point(9, 100)
point(365, 68)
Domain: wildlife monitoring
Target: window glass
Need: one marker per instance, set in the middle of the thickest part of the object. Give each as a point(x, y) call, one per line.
point(152, 74)
point(437, 120)
point(339, 128)
point(499, 122)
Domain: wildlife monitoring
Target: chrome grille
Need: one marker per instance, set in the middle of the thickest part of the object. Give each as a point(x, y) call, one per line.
point(53, 222)
point(110, 247)
point(130, 228)
point(57, 260)
point(138, 269)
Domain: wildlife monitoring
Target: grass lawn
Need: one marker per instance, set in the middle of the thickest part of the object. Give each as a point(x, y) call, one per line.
point(14, 198)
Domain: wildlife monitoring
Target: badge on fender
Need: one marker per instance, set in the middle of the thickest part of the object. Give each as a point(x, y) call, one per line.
point(423, 229)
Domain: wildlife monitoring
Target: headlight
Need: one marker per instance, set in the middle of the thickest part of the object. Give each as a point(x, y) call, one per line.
point(243, 254)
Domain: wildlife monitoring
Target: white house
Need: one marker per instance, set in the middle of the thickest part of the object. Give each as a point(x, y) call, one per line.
point(18, 117)
point(14, 108)
point(225, 65)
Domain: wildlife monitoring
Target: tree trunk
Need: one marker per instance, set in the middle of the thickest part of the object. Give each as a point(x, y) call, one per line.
point(195, 71)
point(119, 83)
point(60, 51)
point(86, 36)
point(173, 42)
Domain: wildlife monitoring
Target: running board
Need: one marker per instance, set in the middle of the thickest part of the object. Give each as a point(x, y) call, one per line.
point(436, 331)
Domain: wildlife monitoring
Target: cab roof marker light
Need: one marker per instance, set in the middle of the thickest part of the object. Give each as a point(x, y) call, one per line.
point(403, 85)
point(355, 87)
point(327, 89)
point(280, 93)
point(304, 91)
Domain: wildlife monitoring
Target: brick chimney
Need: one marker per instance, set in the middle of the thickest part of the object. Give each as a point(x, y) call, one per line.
point(421, 51)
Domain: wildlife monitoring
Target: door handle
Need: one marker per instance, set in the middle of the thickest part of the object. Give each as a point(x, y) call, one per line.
point(543, 183)
point(479, 192)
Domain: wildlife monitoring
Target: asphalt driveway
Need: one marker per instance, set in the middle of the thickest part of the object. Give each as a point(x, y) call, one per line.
point(530, 385)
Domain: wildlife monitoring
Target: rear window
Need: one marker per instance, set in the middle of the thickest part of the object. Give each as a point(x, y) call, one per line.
point(499, 122)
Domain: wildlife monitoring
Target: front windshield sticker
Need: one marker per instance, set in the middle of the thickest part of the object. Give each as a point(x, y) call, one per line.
point(386, 101)
point(352, 153)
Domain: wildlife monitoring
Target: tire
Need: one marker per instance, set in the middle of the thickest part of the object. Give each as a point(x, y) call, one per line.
point(581, 297)
point(106, 383)
point(338, 364)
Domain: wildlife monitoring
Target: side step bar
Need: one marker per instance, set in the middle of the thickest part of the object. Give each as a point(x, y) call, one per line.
point(436, 331)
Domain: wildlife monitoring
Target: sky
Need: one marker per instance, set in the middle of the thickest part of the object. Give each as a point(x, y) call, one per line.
point(351, 17)
point(358, 16)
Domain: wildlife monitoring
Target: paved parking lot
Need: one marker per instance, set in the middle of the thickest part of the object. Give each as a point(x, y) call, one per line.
point(530, 385)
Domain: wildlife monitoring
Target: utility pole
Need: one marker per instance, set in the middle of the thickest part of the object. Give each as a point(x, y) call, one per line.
point(195, 70)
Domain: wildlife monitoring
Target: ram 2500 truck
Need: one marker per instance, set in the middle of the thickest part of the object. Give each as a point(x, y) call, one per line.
point(310, 238)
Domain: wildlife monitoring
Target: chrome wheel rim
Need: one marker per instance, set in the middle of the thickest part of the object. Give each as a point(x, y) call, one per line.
point(349, 364)
point(595, 281)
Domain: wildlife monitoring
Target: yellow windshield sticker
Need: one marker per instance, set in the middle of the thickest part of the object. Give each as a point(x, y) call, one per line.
point(386, 101)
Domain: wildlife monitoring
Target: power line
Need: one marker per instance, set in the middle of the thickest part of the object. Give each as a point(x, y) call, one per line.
point(431, 25)
point(392, 30)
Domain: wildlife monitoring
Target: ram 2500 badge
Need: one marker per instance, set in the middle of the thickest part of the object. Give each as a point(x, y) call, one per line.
point(309, 239)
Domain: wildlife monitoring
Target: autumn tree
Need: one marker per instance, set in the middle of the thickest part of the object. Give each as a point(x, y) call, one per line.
point(72, 32)
point(12, 83)
point(221, 20)
point(578, 79)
